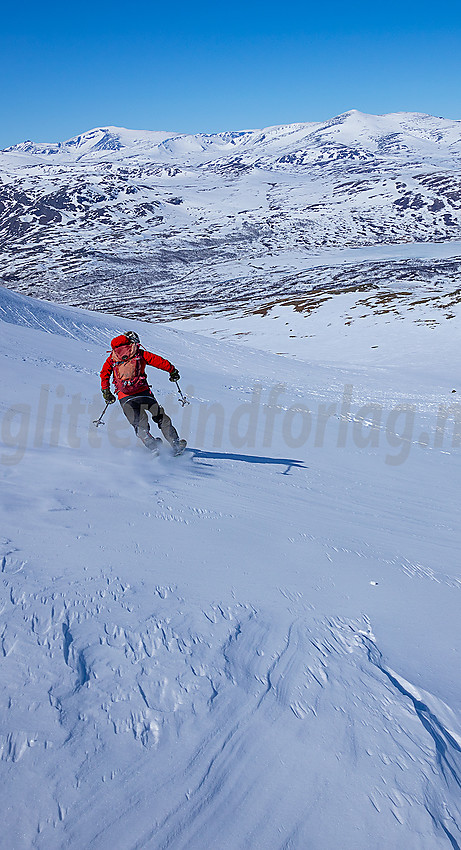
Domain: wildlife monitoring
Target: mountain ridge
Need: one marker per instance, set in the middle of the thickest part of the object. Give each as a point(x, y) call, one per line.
point(112, 137)
point(158, 225)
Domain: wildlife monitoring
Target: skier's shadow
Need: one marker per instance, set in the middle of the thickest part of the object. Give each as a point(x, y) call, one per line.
point(288, 462)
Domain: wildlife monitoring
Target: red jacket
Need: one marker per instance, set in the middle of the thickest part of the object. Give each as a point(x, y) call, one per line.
point(147, 359)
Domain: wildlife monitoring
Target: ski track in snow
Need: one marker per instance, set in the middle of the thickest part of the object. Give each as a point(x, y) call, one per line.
point(188, 650)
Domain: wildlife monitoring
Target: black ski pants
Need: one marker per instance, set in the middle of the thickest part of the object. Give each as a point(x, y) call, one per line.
point(135, 409)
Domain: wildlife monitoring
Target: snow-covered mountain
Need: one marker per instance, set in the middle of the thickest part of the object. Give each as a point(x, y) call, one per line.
point(255, 645)
point(167, 225)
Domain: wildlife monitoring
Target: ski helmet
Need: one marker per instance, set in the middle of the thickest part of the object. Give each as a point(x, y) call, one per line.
point(132, 336)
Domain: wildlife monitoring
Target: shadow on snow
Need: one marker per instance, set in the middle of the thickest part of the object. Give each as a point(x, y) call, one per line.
point(288, 462)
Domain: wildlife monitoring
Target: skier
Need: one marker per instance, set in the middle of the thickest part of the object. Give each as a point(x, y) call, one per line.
point(127, 365)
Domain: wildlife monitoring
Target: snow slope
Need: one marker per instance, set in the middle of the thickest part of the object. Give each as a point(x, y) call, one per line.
point(255, 645)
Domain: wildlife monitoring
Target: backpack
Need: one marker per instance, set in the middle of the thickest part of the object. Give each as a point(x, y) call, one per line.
point(128, 365)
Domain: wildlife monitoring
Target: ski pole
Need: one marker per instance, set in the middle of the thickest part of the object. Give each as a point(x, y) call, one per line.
point(99, 421)
point(182, 400)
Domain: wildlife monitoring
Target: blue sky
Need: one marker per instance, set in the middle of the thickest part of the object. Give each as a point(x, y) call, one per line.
point(203, 67)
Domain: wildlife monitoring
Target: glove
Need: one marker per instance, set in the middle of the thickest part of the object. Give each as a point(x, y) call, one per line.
point(174, 375)
point(108, 396)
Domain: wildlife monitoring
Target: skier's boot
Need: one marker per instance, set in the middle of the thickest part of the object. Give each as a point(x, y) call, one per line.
point(152, 443)
point(178, 447)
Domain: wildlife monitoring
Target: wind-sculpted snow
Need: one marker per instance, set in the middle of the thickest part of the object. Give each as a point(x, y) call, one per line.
point(187, 725)
point(162, 225)
point(249, 646)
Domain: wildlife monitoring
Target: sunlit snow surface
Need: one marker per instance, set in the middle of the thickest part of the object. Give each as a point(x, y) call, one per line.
point(255, 645)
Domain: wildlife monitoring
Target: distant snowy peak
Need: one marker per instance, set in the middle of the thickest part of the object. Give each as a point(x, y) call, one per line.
point(371, 130)
point(93, 141)
point(370, 133)
point(119, 140)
